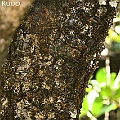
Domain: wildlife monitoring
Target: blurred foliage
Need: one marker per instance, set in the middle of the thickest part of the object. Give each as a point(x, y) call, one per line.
point(103, 93)
point(99, 93)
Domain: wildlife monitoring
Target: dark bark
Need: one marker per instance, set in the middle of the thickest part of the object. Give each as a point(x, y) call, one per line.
point(10, 17)
point(52, 56)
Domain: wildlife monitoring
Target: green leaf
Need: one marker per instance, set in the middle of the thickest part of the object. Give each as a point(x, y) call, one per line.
point(97, 106)
point(85, 103)
point(83, 113)
point(88, 89)
point(115, 37)
point(101, 75)
point(92, 95)
point(106, 92)
point(116, 94)
point(84, 109)
point(112, 79)
point(107, 108)
point(108, 40)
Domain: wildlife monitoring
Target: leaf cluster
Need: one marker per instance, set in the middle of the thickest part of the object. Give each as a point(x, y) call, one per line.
point(103, 96)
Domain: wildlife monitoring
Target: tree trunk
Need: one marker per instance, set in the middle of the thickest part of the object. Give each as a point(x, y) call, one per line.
point(52, 56)
point(10, 17)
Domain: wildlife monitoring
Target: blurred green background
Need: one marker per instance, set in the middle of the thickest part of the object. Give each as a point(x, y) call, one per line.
point(102, 100)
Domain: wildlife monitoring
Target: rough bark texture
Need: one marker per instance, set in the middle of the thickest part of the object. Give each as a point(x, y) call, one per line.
point(10, 17)
point(52, 56)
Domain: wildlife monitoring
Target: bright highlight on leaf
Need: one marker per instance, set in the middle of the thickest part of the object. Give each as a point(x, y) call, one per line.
point(117, 29)
point(114, 36)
